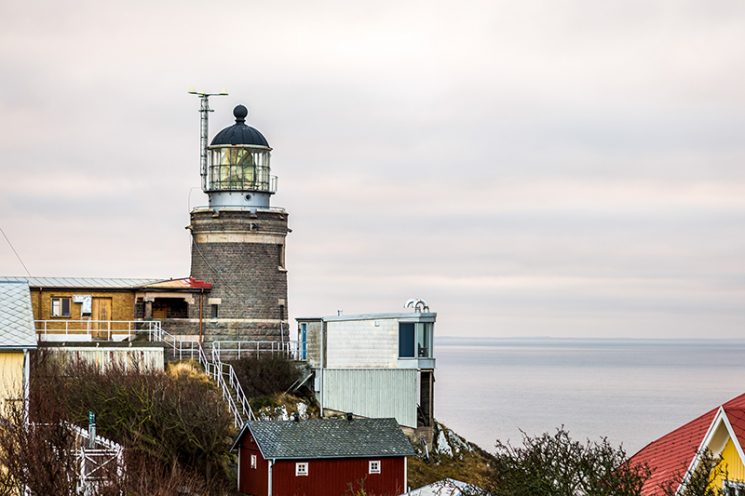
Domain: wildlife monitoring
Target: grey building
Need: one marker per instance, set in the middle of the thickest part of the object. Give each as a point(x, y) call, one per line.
point(374, 365)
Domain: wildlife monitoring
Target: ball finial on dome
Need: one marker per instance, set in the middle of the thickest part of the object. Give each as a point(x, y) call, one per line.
point(240, 112)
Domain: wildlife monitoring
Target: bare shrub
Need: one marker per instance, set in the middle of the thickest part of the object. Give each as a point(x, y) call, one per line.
point(176, 432)
point(265, 375)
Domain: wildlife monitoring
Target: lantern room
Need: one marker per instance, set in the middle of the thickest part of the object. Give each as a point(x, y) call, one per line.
point(238, 171)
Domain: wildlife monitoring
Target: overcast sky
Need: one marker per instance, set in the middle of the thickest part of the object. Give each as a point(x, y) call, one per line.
point(555, 168)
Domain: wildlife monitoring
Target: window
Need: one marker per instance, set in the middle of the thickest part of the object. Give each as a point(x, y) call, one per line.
point(424, 339)
point(239, 168)
point(281, 257)
point(303, 341)
point(406, 340)
point(301, 469)
point(415, 340)
point(213, 311)
point(374, 467)
point(731, 488)
point(253, 461)
point(61, 307)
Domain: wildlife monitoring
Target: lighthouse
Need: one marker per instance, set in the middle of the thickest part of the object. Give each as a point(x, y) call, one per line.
point(238, 238)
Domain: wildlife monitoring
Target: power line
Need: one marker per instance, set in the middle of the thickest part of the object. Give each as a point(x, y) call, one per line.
point(14, 251)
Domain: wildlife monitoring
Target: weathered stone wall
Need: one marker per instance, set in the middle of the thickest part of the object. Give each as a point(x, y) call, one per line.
point(226, 330)
point(241, 253)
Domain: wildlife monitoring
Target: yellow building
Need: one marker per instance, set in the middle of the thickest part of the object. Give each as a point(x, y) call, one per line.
point(75, 309)
point(721, 431)
point(17, 339)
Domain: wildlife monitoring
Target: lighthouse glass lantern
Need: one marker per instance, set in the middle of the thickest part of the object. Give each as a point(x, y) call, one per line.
point(238, 174)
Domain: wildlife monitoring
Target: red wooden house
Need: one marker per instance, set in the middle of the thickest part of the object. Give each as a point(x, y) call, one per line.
point(322, 457)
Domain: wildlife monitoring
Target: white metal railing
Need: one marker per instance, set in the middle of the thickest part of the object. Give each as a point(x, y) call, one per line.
point(241, 348)
point(182, 349)
point(231, 389)
point(227, 370)
point(91, 330)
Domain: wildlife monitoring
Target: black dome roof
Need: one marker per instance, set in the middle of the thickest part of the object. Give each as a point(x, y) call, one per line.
point(239, 133)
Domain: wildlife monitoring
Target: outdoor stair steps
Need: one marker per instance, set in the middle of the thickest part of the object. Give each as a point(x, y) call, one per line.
point(221, 372)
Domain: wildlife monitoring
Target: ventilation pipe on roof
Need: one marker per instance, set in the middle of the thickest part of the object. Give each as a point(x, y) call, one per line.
point(418, 304)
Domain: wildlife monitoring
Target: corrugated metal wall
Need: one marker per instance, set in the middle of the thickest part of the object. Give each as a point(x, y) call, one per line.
point(374, 393)
point(145, 358)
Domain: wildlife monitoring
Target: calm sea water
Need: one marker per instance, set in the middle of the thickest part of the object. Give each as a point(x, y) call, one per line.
point(632, 391)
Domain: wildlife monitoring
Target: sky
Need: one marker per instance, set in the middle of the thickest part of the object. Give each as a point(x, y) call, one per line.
point(554, 168)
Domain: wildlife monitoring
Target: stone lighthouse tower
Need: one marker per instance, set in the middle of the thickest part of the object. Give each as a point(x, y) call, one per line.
point(238, 240)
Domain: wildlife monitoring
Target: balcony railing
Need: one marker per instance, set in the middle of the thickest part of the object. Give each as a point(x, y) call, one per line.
point(235, 350)
point(97, 330)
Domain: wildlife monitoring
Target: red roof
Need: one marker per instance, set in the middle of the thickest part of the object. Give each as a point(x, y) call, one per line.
point(670, 456)
point(183, 283)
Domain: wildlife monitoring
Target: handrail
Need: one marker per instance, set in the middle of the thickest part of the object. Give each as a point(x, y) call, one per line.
point(98, 329)
point(239, 348)
point(234, 383)
point(217, 370)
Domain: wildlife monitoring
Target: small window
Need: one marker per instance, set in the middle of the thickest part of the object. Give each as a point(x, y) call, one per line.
point(213, 311)
point(301, 469)
point(281, 257)
point(374, 467)
point(253, 461)
point(61, 307)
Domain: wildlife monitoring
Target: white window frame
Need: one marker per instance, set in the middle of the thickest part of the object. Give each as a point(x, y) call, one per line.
point(59, 311)
point(374, 467)
point(253, 461)
point(302, 469)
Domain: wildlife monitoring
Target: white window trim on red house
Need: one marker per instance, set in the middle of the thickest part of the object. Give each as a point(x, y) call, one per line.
point(302, 469)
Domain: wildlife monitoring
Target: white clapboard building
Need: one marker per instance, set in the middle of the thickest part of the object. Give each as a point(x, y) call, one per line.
point(374, 365)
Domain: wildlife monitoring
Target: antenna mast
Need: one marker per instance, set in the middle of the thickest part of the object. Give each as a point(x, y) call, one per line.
point(204, 109)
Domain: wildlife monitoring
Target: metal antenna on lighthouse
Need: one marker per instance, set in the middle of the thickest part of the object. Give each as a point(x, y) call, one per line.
point(204, 109)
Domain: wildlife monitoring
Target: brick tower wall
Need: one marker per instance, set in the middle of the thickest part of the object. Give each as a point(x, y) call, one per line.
point(241, 253)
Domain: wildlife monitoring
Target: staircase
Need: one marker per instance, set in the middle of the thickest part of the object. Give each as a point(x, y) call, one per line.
point(222, 373)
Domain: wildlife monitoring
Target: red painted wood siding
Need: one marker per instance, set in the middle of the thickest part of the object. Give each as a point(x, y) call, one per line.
point(252, 481)
point(333, 477)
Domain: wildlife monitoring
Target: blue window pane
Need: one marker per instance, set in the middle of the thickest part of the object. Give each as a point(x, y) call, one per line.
point(406, 340)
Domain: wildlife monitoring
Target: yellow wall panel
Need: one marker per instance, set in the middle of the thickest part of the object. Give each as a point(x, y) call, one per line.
point(732, 463)
point(122, 303)
point(11, 379)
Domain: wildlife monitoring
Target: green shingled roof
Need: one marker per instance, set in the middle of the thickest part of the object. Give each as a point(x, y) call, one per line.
point(328, 438)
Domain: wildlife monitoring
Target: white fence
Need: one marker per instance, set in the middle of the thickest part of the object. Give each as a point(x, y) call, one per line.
point(235, 350)
point(97, 330)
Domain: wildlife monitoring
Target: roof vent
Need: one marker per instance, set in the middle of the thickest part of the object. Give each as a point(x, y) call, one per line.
point(296, 417)
point(350, 416)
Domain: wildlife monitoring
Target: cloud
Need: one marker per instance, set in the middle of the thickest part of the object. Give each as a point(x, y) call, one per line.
point(572, 168)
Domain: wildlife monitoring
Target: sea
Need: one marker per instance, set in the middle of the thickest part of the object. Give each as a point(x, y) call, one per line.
point(630, 391)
